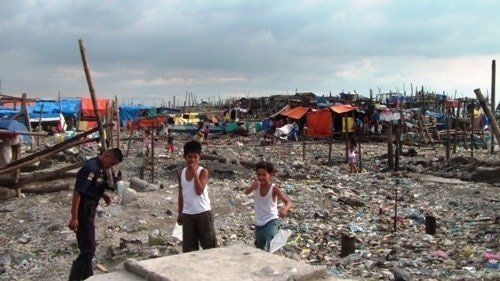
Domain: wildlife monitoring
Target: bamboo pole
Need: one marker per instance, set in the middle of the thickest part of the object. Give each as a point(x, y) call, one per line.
point(152, 152)
point(32, 159)
point(65, 144)
point(96, 108)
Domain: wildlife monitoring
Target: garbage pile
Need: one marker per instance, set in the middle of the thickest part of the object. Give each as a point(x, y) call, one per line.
point(414, 224)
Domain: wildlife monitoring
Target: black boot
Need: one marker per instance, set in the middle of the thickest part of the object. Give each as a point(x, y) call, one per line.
point(78, 271)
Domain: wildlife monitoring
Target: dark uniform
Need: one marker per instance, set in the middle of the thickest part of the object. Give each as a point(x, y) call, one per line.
point(90, 184)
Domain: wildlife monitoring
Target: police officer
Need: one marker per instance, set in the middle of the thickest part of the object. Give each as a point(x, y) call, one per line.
point(90, 185)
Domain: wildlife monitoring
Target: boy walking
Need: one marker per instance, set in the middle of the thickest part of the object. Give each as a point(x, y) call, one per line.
point(266, 196)
point(195, 213)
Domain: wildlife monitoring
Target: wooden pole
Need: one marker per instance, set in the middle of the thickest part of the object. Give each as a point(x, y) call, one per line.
point(24, 109)
point(455, 137)
point(117, 112)
point(493, 102)
point(304, 145)
point(447, 144)
point(152, 153)
point(65, 144)
point(396, 206)
point(390, 154)
point(16, 151)
point(489, 114)
point(40, 156)
point(96, 108)
point(472, 130)
point(360, 167)
point(92, 95)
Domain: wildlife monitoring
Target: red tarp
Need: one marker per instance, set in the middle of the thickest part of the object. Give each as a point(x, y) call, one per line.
point(296, 113)
point(319, 123)
point(451, 103)
point(339, 109)
point(88, 108)
point(147, 123)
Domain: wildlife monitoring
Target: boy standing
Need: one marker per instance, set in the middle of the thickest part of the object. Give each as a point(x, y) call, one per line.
point(352, 157)
point(170, 142)
point(266, 205)
point(195, 213)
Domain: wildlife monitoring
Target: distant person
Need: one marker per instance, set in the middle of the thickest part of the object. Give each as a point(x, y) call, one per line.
point(170, 142)
point(194, 210)
point(91, 182)
point(352, 157)
point(266, 195)
point(147, 142)
point(206, 131)
point(199, 137)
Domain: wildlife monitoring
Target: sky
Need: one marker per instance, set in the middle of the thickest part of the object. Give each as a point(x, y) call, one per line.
point(150, 51)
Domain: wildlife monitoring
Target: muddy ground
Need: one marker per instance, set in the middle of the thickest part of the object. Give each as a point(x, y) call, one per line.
point(35, 243)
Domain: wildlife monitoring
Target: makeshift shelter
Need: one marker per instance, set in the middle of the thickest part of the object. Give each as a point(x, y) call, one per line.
point(132, 113)
point(319, 123)
point(296, 113)
point(88, 108)
point(341, 120)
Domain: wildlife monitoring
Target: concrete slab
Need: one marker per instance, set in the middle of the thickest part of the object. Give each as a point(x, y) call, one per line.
point(237, 262)
point(116, 276)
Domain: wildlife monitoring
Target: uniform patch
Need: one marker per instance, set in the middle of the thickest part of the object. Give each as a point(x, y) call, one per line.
point(90, 177)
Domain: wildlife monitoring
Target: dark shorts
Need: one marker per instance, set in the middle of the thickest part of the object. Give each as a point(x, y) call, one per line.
point(198, 230)
point(264, 234)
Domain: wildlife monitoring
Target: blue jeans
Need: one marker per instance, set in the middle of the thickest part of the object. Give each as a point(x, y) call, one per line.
point(264, 234)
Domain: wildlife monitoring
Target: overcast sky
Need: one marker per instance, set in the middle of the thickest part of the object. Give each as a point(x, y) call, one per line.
point(149, 51)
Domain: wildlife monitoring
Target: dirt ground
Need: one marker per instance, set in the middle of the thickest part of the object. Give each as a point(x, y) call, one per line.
point(35, 243)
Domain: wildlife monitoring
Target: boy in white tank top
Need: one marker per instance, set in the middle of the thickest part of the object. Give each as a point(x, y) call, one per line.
point(266, 196)
point(195, 213)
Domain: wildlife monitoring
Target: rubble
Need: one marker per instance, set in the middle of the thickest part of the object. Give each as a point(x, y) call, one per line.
point(35, 243)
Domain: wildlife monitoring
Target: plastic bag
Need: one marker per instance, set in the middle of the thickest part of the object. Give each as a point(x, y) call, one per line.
point(177, 232)
point(279, 240)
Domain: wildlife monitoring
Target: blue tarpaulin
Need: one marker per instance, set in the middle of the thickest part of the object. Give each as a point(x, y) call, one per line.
point(15, 126)
point(132, 113)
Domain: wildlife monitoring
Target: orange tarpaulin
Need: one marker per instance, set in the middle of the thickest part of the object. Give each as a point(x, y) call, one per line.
point(339, 109)
point(296, 113)
point(88, 108)
point(147, 123)
point(319, 123)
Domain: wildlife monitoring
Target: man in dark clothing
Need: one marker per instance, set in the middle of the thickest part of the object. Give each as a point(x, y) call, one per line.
point(90, 185)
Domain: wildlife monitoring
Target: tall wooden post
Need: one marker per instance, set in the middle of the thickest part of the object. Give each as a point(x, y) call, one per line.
point(472, 130)
point(96, 109)
point(117, 126)
point(493, 103)
point(447, 144)
point(390, 154)
point(152, 153)
point(455, 137)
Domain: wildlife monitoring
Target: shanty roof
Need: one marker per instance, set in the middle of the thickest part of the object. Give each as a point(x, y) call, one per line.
point(343, 108)
point(296, 112)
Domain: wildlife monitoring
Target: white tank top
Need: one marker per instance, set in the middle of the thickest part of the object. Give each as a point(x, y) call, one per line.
point(193, 203)
point(266, 209)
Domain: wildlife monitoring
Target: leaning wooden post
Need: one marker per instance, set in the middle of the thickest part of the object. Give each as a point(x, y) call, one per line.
point(493, 102)
point(96, 108)
point(489, 114)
